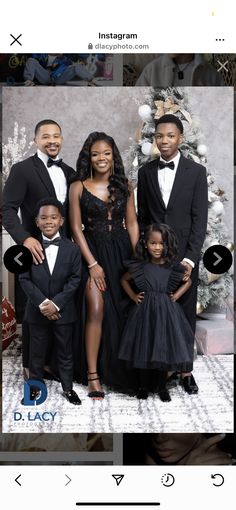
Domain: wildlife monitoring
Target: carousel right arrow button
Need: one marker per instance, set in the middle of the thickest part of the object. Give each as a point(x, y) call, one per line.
point(217, 259)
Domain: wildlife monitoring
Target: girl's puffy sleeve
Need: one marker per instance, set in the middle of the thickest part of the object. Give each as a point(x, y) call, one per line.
point(136, 270)
point(176, 277)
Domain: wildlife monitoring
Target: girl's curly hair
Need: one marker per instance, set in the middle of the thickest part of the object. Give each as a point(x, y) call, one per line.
point(170, 241)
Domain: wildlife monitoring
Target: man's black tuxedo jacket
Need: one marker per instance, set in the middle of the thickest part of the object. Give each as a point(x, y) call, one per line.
point(28, 182)
point(60, 286)
point(186, 212)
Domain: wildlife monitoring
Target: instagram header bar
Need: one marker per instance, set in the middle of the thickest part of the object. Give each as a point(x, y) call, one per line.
point(205, 26)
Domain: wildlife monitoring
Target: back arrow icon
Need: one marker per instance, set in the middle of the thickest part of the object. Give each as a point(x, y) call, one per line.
point(219, 259)
point(16, 480)
point(16, 259)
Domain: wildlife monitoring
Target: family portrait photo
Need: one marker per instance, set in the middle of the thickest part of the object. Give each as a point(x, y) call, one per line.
point(118, 324)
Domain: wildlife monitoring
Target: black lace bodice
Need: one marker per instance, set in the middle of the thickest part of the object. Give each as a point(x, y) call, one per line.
point(101, 219)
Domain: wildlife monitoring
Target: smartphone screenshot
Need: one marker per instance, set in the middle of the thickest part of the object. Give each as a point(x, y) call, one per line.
point(117, 270)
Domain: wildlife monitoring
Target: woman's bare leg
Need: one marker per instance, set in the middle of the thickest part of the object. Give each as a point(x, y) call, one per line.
point(93, 332)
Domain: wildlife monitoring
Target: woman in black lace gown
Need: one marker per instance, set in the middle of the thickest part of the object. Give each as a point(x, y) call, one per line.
point(104, 225)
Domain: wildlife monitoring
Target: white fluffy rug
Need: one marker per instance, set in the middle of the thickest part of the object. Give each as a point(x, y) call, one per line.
point(211, 410)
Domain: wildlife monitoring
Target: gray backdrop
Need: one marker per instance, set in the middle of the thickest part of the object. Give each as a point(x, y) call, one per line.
point(115, 111)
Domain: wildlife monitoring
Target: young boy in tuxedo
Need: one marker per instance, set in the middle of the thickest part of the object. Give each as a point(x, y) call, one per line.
point(50, 287)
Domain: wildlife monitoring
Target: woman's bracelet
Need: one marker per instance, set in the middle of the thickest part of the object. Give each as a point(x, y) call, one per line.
point(93, 264)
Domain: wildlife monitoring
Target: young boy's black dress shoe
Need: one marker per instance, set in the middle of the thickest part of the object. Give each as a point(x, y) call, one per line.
point(72, 397)
point(33, 395)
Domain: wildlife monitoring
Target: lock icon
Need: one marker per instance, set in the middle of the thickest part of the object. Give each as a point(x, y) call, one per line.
point(90, 46)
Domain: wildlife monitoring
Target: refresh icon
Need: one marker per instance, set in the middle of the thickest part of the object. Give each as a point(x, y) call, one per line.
point(167, 479)
point(220, 479)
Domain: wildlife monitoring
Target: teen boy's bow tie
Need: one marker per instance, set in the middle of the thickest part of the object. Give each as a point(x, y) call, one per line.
point(55, 241)
point(54, 162)
point(163, 164)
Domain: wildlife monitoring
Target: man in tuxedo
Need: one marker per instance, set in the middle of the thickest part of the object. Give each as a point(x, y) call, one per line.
point(173, 190)
point(50, 288)
point(39, 176)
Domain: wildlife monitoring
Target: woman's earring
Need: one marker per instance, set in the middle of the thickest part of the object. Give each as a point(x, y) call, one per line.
point(91, 172)
point(112, 168)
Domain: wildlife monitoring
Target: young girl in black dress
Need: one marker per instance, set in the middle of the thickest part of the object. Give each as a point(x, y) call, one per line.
point(157, 334)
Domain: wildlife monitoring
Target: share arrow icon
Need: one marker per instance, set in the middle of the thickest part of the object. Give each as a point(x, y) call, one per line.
point(118, 478)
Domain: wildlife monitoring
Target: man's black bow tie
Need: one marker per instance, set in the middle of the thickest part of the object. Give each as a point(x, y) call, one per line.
point(163, 164)
point(47, 243)
point(51, 162)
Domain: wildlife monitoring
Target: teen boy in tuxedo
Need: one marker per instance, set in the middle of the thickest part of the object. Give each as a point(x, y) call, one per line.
point(173, 189)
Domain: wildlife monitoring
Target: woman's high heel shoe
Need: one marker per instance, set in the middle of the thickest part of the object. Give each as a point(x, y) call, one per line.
point(95, 393)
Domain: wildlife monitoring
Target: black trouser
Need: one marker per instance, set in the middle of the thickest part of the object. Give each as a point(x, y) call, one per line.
point(189, 300)
point(39, 340)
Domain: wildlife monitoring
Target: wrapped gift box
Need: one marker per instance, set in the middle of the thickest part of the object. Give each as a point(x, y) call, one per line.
point(8, 323)
point(215, 336)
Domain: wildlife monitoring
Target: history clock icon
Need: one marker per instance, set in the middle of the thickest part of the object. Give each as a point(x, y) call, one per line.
point(167, 479)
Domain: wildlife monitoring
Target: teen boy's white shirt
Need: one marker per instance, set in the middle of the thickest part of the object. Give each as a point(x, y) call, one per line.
point(166, 177)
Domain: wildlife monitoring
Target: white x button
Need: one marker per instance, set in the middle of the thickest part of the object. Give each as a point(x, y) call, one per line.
point(222, 66)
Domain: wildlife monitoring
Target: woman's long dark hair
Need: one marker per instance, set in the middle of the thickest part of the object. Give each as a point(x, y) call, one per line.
point(170, 241)
point(118, 183)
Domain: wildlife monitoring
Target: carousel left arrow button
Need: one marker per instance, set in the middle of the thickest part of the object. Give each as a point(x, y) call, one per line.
point(17, 480)
point(18, 259)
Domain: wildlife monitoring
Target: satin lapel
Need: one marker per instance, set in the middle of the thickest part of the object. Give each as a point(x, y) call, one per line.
point(44, 175)
point(43, 268)
point(178, 182)
point(66, 172)
point(154, 182)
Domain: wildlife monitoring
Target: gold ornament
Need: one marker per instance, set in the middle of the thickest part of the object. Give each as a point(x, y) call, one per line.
point(155, 150)
point(138, 133)
point(230, 246)
point(168, 106)
point(211, 277)
point(199, 308)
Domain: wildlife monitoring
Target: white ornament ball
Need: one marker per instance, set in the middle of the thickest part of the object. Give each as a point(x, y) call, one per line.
point(146, 148)
point(212, 196)
point(202, 149)
point(218, 208)
point(210, 179)
point(145, 112)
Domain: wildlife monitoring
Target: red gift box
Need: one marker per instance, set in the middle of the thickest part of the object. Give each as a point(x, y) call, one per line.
point(8, 323)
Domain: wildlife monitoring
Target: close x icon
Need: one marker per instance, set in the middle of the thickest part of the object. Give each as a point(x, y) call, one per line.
point(16, 39)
